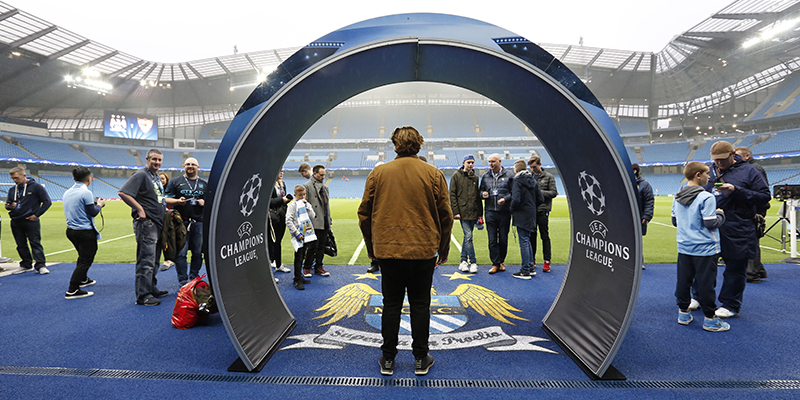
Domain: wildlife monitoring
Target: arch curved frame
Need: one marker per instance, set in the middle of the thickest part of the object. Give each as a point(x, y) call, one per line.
point(593, 309)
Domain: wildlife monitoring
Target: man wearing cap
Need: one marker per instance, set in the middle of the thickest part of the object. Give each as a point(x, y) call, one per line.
point(740, 190)
point(496, 192)
point(465, 201)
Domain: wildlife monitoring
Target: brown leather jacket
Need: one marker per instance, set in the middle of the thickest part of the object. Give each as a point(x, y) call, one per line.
point(405, 212)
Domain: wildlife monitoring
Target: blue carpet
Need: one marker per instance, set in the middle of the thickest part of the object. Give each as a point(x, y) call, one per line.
point(107, 331)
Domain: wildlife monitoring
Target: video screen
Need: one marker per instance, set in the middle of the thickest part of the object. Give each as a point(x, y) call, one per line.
point(130, 126)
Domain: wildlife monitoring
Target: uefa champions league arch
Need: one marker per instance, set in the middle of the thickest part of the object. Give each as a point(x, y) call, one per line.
point(593, 309)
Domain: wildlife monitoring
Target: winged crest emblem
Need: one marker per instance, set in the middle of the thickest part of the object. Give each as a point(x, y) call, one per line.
point(350, 299)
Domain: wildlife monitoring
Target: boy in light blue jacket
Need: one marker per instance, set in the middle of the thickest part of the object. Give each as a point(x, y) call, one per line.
point(695, 213)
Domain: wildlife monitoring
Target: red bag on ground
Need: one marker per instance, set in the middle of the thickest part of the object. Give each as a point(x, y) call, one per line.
point(186, 313)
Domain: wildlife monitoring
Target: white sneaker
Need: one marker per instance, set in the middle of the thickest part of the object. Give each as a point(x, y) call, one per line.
point(694, 305)
point(277, 280)
point(463, 267)
point(43, 271)
point(272, 264)
point(283, 268)
point(723, 312)
point(21, 270)
point(473, 268)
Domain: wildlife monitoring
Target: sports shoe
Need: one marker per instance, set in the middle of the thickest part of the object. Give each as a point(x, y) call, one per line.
point(21, 270)
point(150, 301)
point(463, 267)
point(757, 279)
point(299, 286)
point(43, 271)
point(8, 260)
point(373, 269)
point(160, 293)
point(88, 282)
point(283, 268)
point(521, 275)
point(167, 265)
point(473, 268)
point(77, 294)
point(272, 264)
point(493, 270)
point(715, 325)
point(423, 365)
point(694, 305)
point(684, 317)
point(546, 266)
point(306, 272)
point(277, 280)
point(387, 366)
point(723, 312)
point(321, 272)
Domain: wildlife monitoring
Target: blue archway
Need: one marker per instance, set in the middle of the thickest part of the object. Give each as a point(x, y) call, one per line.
point(593, 309)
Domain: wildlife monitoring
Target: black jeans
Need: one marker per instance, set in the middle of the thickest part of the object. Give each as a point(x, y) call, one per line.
point(497, 226)
point(415, 276)
point(85, 242)
point(28, 231)
point(542, 222)
point(316, 252)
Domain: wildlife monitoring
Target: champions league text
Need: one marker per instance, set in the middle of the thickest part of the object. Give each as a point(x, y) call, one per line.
point(610, 248)
point(242, 246)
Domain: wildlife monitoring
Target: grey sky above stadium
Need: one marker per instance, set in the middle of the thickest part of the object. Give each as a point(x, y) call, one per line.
point(181, 30)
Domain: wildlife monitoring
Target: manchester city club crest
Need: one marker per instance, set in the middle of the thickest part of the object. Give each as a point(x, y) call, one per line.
point(449, 324)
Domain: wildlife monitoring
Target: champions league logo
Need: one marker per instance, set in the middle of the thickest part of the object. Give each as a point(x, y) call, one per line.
point(249, 197)
point(448, 315)
point(591, 193)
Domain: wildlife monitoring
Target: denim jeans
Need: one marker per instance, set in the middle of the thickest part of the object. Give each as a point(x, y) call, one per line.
point(525, 250)
point(25, 231)
point(194, 243)
point(147, 237)
point(497, 226)
point(467, 248)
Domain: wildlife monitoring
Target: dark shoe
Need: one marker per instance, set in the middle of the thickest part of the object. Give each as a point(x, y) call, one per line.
point(763, 274)
point(160, 293)
point(373, 269)
point(754, 280)
point(423, 365)
point(387, 366)
point(521, 275)
point(88, 282)
point(493, 270)
point(299, 286)
point(321, 272)
point(77, 294)
point(150, 301)
point(306, 281)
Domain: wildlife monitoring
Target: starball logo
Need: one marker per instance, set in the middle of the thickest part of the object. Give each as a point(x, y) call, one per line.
point(597, 247)
point(245, 250)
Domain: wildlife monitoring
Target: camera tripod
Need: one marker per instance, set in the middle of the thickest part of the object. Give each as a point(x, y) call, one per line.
point(783, 220)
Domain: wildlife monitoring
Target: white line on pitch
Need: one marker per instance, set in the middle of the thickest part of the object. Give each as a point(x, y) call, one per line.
point(762, 246)
point(355, 255)
point(453, 238)
point(104, 241)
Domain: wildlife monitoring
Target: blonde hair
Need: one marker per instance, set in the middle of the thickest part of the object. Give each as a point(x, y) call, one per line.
point(519, 165)
point(299, 189)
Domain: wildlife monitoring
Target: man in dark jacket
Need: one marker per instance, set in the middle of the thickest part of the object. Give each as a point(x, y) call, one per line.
point(496, 192)
point(646, 200)
point(465, 200)
point(27, 201)
point(755, 269)
point(547, 184)
point(740, 190)
point(525, 198)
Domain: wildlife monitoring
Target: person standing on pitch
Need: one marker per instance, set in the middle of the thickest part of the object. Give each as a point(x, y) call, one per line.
point(740, 190)
point(525, 198)
point(465, 200)
point(406, 221)
point(755, 269)
point(318, 195)
point(695, 214)
point(547, 185)
point(496, 192)
point(646, 200)
point(187, 195)
point(145, 196)
point(80, 208)
point(27, 201)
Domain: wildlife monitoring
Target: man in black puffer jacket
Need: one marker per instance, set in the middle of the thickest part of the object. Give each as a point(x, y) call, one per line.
point(525, 198)
point(496, 192)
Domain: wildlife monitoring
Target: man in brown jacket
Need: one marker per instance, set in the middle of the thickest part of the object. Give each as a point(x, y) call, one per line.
point(406, 220)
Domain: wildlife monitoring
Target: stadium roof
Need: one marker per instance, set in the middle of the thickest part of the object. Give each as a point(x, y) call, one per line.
point(702, 68)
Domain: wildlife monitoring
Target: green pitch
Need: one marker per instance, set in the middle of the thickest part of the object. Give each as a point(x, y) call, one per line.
point(118, 245)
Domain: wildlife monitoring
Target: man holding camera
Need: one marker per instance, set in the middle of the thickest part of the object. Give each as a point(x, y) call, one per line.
point(80, 208)
point(186, 194)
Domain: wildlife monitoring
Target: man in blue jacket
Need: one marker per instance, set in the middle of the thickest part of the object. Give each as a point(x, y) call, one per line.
point(27, 201)
point(740, 190)
point(495, 190)
point(525, 198)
